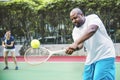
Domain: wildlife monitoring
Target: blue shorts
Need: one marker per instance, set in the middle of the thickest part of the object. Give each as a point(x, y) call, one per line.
point(101, 70)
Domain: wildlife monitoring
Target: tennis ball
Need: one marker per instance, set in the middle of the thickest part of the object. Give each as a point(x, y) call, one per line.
point(35, 43)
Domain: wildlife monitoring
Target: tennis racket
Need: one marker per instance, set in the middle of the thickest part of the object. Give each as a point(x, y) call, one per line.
point(39, 55)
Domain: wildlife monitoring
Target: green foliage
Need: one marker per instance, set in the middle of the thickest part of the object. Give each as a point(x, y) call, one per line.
point(40, 18)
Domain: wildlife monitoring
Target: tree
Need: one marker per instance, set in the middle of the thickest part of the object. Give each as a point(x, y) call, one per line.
point(41, 18)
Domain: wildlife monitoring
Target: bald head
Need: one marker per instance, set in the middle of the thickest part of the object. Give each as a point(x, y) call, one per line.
point(76, 11)
point(77, 17)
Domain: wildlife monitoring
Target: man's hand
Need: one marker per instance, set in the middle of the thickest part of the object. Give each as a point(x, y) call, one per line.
point(73, 47)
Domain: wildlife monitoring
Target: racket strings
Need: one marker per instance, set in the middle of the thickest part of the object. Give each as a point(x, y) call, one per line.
point(36, 56)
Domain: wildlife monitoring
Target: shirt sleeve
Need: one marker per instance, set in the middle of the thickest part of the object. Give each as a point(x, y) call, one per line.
point(12, 38)
point(94, 20)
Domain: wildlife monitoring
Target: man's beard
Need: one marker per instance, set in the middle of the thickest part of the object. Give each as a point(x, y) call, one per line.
point(79, 25)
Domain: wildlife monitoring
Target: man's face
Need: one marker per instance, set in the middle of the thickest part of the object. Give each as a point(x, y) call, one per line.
point(77, 19)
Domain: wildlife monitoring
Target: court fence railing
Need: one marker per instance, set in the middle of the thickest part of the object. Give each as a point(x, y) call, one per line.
point(53, 47)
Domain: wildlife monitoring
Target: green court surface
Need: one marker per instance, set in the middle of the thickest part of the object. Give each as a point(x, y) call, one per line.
point(47, 71)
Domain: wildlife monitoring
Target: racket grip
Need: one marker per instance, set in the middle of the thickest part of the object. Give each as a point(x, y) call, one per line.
point(76, 49)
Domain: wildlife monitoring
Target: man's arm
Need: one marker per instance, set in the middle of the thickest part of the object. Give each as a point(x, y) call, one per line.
point(86, 35)
point(71, 50)
point(80, 46)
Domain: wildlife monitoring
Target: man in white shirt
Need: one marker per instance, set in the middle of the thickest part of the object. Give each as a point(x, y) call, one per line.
point(90, 32)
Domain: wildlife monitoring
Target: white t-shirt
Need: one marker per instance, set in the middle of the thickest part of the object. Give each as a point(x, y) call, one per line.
point(99, 46)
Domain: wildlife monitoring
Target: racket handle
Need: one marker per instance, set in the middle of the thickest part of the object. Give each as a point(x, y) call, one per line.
point(59, 51)
point(75, 49)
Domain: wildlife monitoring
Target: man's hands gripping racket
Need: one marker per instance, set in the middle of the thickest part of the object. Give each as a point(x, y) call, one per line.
point(73, 47)
point(39, 55)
